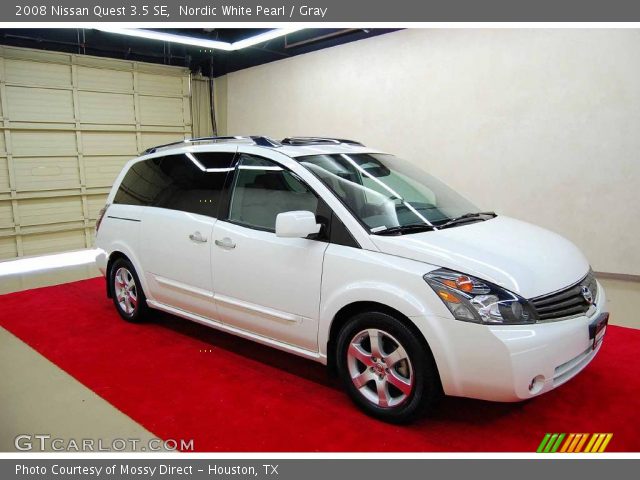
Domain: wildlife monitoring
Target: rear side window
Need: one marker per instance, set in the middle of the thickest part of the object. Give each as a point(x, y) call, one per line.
point(186, 182)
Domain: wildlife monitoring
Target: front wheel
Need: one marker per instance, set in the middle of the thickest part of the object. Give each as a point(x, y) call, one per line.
point(387, 371)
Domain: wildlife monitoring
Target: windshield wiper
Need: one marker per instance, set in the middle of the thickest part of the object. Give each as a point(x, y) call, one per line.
point(400, 229)
point(466, 217)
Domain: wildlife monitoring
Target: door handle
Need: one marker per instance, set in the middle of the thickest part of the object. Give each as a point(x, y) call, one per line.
point(226, 243)
point(197, 237)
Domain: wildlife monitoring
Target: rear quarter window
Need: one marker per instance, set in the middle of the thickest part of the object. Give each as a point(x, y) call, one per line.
point(185, 182)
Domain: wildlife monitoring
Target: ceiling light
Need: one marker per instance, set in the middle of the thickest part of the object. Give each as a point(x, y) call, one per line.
point(201, 42)
point(262, 37)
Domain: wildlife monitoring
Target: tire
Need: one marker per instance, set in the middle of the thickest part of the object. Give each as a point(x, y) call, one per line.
point(126, 291)
point(397, 392)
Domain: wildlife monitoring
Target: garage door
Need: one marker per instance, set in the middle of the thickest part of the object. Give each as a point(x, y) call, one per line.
point(69, 124)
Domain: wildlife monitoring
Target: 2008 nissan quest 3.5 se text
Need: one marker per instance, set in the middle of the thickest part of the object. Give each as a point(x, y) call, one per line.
point(339, 253)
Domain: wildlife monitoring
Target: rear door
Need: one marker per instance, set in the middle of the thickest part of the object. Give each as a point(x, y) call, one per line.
point(184, 192)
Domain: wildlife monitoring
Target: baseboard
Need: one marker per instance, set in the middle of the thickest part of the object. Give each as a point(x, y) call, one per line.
point(618, 276)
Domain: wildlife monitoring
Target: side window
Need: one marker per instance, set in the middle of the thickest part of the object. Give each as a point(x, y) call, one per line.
point(141, 184)
point(263, 189)
point(189, 183)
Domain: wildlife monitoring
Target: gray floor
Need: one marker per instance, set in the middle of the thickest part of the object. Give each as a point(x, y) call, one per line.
point(36, 397)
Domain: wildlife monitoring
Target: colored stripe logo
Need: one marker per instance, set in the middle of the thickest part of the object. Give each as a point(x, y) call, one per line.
point(574, 443)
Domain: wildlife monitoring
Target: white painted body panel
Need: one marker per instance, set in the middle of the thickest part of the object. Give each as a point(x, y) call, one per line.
point(120, 232)
point(286, 292)
point(177, 269)
point(478, 361)
point(516, 255)
point(498, 362)
point(269, 285)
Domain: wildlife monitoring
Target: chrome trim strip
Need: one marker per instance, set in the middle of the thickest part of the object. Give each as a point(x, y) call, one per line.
point(542, 297)
point(183, 287)
point(270, 342)
point(257, 309)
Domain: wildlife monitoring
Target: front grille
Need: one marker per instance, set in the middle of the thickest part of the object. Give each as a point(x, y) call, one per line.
point(568, 302)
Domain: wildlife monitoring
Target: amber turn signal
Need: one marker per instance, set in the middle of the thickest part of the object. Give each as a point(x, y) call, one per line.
point(448, 297)
point(462, 283)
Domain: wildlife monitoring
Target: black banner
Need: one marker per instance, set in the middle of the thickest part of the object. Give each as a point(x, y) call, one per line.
point(271, 11)
point(317, 469)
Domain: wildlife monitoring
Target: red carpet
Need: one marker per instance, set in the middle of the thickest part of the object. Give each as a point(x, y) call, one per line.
point(245, 397)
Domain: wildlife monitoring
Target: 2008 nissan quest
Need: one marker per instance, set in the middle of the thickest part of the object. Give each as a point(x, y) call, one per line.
point(354, 258)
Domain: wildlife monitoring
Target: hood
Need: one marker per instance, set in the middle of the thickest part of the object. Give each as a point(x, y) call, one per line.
point(521, 257)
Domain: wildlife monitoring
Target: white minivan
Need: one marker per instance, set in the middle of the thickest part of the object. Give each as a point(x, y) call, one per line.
point(354, 258)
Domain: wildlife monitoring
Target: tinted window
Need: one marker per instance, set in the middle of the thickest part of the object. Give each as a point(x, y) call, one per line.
point(189, 182)
point(263, 189)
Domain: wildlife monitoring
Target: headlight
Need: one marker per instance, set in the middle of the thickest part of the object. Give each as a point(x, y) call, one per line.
point(472, 300)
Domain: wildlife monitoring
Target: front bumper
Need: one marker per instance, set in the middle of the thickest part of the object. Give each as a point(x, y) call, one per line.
point(513, 363)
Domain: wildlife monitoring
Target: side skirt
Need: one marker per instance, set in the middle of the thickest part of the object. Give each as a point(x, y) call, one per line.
point(270, 342)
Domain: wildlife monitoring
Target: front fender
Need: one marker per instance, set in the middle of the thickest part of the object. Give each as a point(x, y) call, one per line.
point(416, 308)
point(379, 292)
point(430, 320)
point(347, 278)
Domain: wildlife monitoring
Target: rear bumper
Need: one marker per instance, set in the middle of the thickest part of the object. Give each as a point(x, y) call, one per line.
point(101, 261)
point(513, 363)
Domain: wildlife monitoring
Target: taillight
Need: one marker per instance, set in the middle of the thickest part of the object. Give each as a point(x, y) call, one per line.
point(100, 216)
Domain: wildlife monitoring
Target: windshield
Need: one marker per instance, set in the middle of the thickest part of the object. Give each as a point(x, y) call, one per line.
point(384, 192)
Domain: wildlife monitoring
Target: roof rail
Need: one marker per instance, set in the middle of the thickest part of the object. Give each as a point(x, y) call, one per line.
point(257, 140)
point(318, 141)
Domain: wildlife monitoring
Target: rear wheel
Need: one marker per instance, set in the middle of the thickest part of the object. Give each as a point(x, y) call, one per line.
point(128, 297)
point(387, 371)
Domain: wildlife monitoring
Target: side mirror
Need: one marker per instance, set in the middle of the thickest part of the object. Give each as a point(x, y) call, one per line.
point(296, 224)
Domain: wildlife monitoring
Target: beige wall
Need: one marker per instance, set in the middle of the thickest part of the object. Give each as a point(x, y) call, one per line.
point(220, 104)
point(543, 125)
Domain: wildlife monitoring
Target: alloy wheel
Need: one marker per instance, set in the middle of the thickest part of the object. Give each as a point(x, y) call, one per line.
point(125, 290)
point(380, 368)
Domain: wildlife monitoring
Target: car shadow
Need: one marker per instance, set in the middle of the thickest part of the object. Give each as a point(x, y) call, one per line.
point(255, 351)
point(448, 409)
